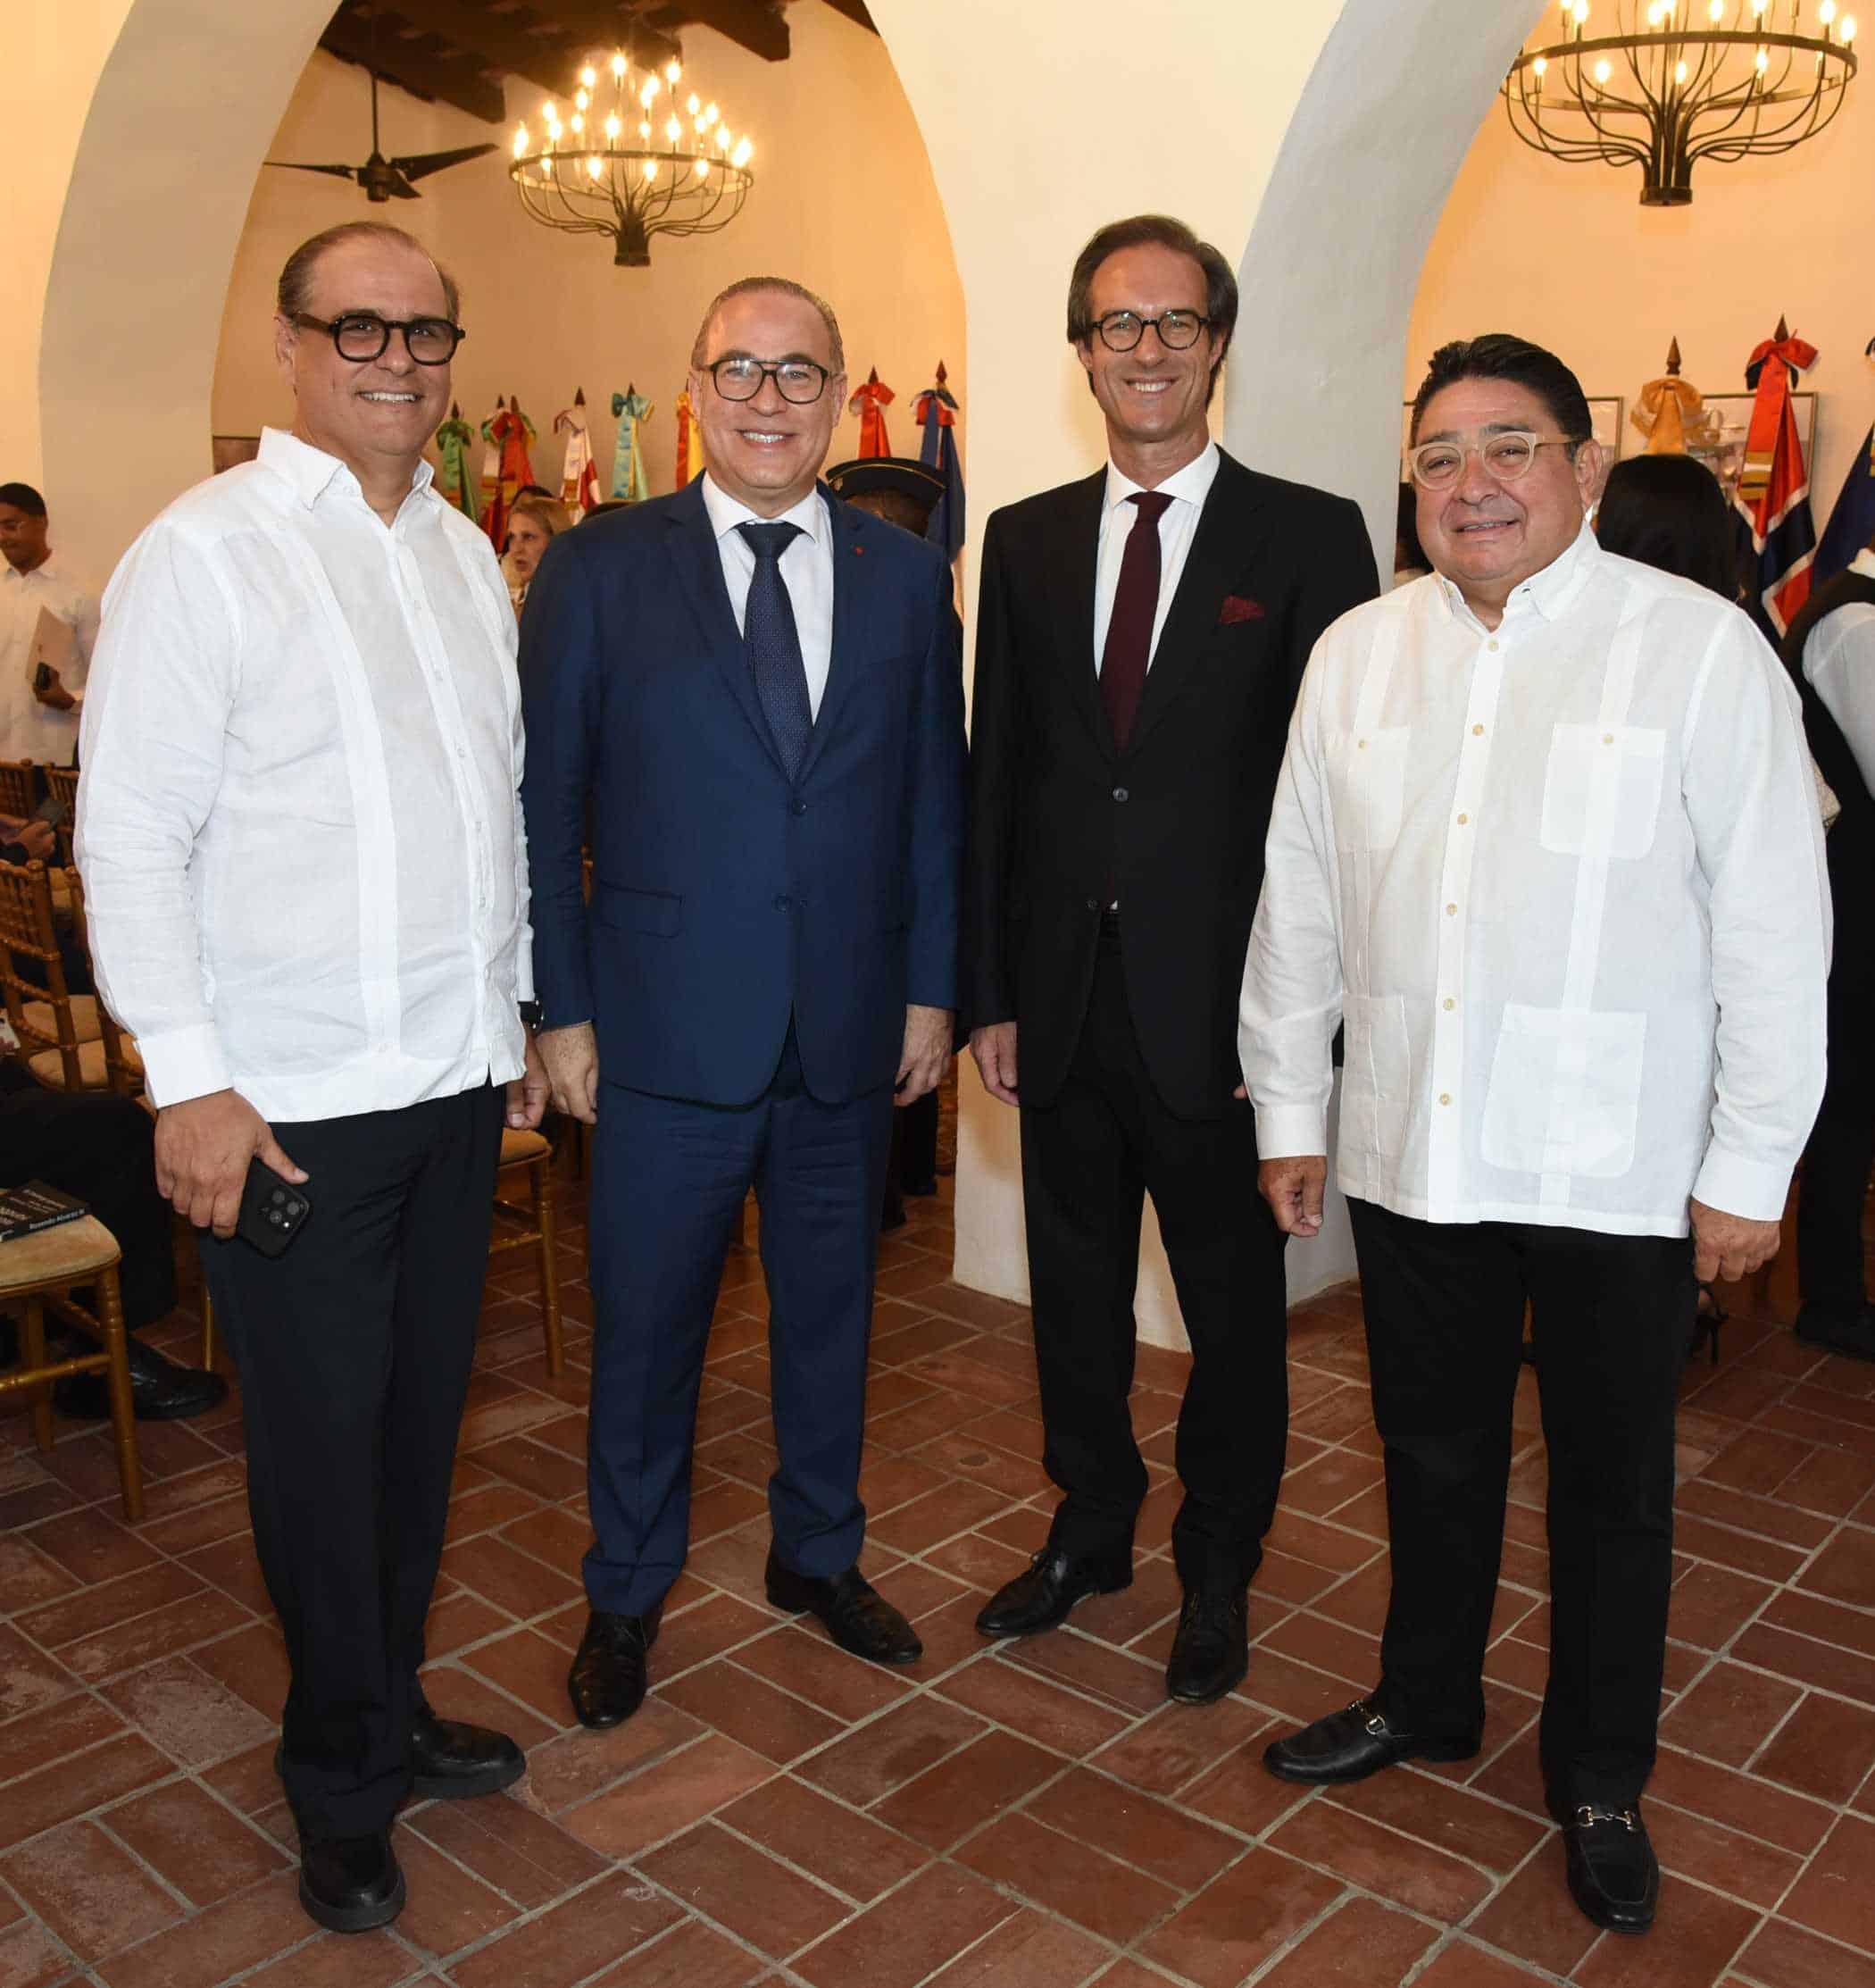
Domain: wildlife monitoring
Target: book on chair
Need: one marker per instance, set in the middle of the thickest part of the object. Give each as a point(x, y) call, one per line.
point(24, 1211)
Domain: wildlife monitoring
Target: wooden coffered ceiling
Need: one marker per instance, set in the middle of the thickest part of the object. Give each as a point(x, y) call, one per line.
point(458, 51)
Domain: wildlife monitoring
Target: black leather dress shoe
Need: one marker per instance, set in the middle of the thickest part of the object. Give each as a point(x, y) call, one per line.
point(1041, 1596)
point(607, 1681)
point(451, 1761)
point(1613, 1874)
point(351, 1883)
point(1211, 1652)
point(1850, 1334)
point(855, 1615)
point(161, 1390)
point(1351, 1745)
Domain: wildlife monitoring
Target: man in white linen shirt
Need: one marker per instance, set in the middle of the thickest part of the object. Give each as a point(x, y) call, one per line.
point(300, 832)
point(1546, 841)
point(1829, 651)
point(39, 720)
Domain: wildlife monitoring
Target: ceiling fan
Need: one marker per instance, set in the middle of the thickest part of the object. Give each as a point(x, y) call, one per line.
point(385, 179)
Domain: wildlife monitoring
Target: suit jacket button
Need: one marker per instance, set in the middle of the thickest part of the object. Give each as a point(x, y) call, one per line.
point(782, 901)
point(1093, 904)
point(799, 808)
point(1120, 794)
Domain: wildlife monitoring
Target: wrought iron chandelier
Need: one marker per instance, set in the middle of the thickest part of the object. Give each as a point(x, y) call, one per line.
point(1676, 81)
point(654, 160)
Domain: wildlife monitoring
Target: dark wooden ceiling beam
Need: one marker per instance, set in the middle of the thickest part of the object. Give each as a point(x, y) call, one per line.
point(517, 42)
point(761, 29)
point(856, 11)
point(420, 63)
point(592, 24)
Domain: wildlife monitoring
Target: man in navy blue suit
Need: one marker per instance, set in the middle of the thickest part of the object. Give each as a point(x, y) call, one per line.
point(755, 690)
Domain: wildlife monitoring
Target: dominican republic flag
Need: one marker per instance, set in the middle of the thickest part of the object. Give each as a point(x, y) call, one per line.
point(1851, 523)
point(936, 414)
point(1777, 533)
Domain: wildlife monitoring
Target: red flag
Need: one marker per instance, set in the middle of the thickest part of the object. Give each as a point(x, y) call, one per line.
point(1773, 494)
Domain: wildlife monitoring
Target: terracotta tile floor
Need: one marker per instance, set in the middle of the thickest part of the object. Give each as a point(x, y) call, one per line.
point(1033, 1817)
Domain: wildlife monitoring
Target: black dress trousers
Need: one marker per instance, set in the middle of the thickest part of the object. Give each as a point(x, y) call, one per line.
point(1089, 1159)
point(354, 1349)
point(1610, 1318)
point(1832, 1198)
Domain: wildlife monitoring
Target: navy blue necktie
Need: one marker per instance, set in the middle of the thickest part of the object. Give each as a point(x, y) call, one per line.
point(774, 644)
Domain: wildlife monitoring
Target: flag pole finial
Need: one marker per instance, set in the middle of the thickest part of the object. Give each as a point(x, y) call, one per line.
point(1783, 329)
point(1673, 357)
point(579, 397)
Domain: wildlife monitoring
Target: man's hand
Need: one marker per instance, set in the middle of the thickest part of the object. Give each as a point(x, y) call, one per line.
point(1294, 1189)
point(202, 1149)
point(572, 1057)
point(994, 1050)
point(528, 1092)
point(1728, 1247)
point(927, 1053)
point(53, 691)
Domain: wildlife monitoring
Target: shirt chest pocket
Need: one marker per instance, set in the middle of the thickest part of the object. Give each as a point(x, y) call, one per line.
point(1601, 789)
point(1371, 799)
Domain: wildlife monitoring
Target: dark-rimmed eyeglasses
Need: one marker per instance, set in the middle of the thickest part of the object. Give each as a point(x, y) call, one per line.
point(1121, 330)
point(1506, 455)
point(798, 380)
point(361, 335)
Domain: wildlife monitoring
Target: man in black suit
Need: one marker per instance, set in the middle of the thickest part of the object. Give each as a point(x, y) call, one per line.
point(1141, 637)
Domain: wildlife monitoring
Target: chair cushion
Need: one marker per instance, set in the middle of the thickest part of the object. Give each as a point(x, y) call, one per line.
point(522, 1149)
point(55, 1257)
point(42, 1015)
point(49, 1067)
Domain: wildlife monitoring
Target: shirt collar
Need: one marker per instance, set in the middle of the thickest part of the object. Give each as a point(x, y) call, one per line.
point(48, 568)
point(310, 471)
point(1864, 563)
point(1191, 485)
point(1551, 593)
point(726, 512)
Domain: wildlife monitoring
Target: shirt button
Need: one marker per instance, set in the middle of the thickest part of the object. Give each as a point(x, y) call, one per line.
point(1607, 738)
point(1361, 745)
point(1452, 911)
point(1120, 794)
point(1450, 1004)
point(1462, 820)
point(1492, 646)
point(1444, 1097)
point(1478, 731)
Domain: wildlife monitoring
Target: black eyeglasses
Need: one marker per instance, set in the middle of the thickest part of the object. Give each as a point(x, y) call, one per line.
point(363, 336)
point(1121, 330)
point(798, 380)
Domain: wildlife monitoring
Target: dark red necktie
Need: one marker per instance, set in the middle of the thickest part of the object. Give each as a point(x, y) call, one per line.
point(1136, 606)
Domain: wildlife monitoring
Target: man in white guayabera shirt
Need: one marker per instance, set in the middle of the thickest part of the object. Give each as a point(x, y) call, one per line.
point(1546, 841)
point(300, 832)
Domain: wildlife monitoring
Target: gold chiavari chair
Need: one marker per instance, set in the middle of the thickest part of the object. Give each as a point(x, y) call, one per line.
point(68, 1041)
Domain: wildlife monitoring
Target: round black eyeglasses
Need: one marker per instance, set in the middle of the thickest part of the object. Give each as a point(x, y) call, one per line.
point(799, 380)
point(361, 336)
point(1179, 330)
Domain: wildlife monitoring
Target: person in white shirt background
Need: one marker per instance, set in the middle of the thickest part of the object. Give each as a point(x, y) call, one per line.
point(300, 833)
point(40, 718)
point(1829, 651)
point(1546, 841)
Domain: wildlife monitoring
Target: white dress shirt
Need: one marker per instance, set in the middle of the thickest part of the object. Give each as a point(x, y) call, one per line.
point(299, 824)
point(1564, 881)
point(30, 729)
point(1839, 666)
point(806, 571)
point(1177, 522)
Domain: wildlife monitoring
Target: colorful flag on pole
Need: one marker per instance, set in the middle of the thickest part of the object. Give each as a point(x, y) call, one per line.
point(454, 439)
point(937, 413)
point(690, 464)
point(870, 404)
point(579, 475)
point(1776, 532)
point(1851, 523)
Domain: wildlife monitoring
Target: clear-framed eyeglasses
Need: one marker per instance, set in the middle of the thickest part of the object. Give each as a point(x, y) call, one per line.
point(361, 335)
point(798, 380)
point(1179, 330)
point(1506, 455)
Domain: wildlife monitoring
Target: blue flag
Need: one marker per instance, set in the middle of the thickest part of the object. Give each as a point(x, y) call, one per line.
point(1851, 523)
point(936, 416)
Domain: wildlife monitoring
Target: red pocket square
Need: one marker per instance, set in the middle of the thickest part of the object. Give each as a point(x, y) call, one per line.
point(1239, 607)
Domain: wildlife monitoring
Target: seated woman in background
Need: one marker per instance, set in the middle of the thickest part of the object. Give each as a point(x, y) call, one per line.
point(533, 520)
point(1669, 512)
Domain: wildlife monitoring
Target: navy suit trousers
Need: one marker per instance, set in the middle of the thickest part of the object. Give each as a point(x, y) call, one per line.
point(669, 1178)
